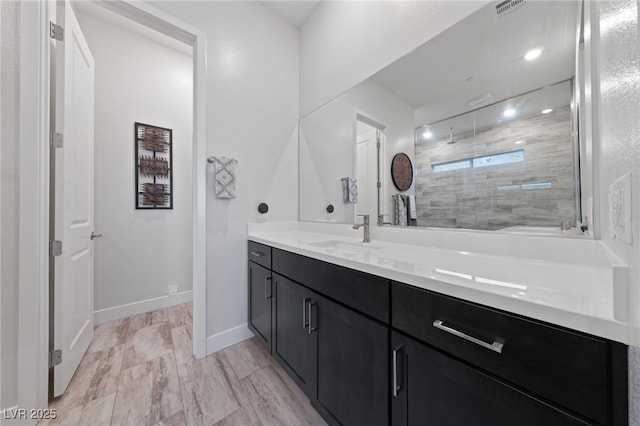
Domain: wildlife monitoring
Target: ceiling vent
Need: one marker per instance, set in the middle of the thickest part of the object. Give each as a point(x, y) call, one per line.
point(505, 8)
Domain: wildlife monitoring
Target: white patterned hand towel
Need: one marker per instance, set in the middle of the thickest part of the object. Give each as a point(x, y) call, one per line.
point(349, 190)
point(401, 210)
point(224, 177)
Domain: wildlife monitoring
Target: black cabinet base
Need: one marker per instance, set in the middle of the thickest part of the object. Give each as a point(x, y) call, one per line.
point(370, 352)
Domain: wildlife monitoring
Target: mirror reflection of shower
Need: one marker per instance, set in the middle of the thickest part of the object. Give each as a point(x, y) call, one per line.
point(507, 165)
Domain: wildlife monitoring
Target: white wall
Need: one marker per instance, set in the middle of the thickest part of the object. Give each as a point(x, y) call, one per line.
point(327, 148)
point(618, 51)
point(345, 42)
point(252, 112)
point(9, 83)
point(141, 252)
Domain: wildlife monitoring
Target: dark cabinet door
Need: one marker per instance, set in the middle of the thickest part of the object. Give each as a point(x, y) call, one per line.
point(562, 366)
point(260, 294)
point(352, 365)
point(293, 345)
point(433, 389)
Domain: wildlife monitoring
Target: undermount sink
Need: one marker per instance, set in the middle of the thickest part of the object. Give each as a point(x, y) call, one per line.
point(345, 246)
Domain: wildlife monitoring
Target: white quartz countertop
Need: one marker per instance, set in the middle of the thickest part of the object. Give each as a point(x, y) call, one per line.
point(581, 291)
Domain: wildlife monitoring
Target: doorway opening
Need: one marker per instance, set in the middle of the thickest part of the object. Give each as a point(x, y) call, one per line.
point(146, 261)
point(370, 160)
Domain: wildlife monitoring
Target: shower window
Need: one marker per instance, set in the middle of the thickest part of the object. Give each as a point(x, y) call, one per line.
point(483, 161)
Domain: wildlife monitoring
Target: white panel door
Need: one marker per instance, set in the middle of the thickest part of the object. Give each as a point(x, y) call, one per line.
point(73, 279)
point(367, 175)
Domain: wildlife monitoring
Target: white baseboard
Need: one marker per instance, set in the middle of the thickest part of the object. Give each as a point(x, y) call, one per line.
point(123, 311)
point(228, 338)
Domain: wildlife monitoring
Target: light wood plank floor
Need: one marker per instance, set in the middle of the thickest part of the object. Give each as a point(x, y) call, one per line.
point(139, 371)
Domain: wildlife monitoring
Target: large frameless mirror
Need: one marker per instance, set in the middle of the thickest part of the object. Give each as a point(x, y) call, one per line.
point(486, 112)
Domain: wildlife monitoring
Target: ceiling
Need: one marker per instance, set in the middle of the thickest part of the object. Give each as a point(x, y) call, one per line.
point(294, 12)
point(104, 14)
point(483, 56)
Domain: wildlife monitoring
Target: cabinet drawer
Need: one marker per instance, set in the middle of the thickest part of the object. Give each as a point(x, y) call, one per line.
point(434, 389)
point(363, 292)
point(260, 254)
point(565, 367)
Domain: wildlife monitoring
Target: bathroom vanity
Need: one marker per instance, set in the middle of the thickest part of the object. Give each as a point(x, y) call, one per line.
point(372, 341)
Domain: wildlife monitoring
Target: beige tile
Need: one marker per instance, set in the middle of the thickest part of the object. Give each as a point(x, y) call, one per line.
point(147, 319)
point(182, 344)
point(274, 402)
point(109, 334)
point(96, 413)
point(148, 393)
point(301, 398)
point(210, 389)
point(146, 344)
point(247, 356)
point(245, 416)
point(180, 315)
point(176, 420)
point(96, 376)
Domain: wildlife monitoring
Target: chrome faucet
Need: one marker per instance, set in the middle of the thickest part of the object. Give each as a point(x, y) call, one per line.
point(365, 223)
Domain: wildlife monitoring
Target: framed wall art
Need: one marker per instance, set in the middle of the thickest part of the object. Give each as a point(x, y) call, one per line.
point(154, 167)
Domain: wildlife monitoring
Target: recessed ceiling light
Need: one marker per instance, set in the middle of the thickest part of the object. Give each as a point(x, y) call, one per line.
point(519, 142)
point(532, 54)
point(510, 112)
point(427, 135)
point(546, 111)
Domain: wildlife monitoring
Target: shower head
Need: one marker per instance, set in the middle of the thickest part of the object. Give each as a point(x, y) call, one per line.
point(451, 139)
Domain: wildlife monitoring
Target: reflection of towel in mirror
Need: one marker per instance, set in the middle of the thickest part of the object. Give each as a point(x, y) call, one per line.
point(413, 214)
point(349, 190)
point(401, 210)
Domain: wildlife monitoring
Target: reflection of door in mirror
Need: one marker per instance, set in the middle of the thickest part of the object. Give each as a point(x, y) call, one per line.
point(368, 155)
point(366, 169)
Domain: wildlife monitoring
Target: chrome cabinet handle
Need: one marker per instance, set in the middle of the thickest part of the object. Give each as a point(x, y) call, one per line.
point(495, 346)
point(305, 323)
point(396, 386)
point(257, 253)
point(266, 280)
point(311, 327)
point(94, 235)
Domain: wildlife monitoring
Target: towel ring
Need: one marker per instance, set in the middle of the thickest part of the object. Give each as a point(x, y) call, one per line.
point(210, 160)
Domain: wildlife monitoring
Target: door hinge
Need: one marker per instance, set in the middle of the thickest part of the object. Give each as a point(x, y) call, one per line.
point(57, 140)
point(55, 358)
point(55, 248)
point(379, 185)
point(56, 31)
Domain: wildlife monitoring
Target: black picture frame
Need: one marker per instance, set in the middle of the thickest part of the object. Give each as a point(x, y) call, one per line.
point(153, 167)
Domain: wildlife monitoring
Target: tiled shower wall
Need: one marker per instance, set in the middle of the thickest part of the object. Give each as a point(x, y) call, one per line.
point(471, 198)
